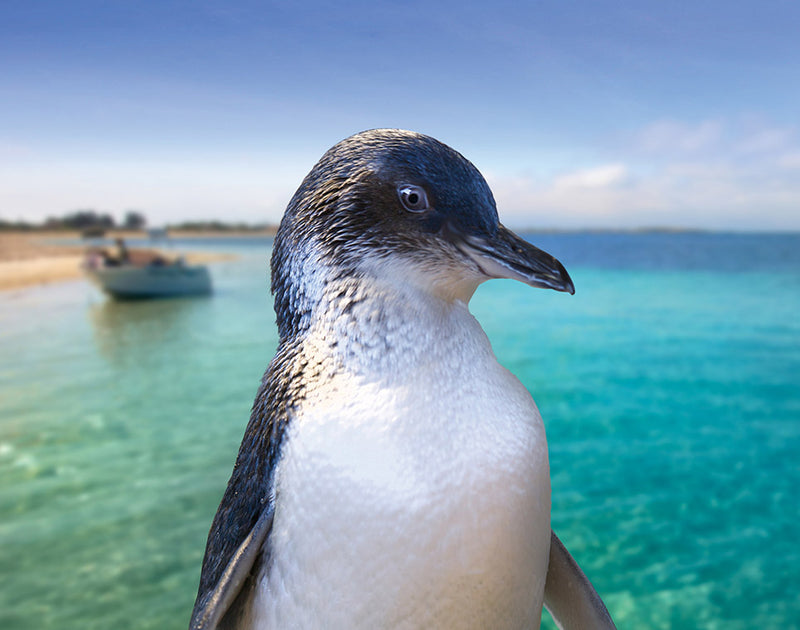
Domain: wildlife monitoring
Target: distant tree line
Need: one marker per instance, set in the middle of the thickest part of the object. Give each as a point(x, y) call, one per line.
point(17, 226)
point(94, 222)
point(218, 226)
point(90, 219)
point(81, 220)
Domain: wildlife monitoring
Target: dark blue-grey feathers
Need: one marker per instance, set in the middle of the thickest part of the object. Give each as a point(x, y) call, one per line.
point(348, 205)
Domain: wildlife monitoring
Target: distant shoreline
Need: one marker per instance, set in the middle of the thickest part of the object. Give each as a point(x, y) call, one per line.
point(37, 257)
point(646, 230)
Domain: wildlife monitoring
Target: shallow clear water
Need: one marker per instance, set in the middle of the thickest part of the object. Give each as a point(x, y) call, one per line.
point(669, 385)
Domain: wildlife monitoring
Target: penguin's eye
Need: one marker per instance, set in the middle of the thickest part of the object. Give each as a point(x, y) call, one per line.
point(413, 198)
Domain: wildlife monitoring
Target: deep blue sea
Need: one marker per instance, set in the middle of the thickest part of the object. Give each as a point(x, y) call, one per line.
point(669, 386)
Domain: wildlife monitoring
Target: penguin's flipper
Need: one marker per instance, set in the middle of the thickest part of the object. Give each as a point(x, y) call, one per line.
point(238, 541)
point(569, 596)
point(208, 615)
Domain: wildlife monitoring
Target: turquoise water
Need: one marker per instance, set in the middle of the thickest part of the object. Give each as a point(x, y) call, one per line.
point(669, 385)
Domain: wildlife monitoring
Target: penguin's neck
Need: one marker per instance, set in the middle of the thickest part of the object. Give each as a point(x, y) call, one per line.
point(382, 323)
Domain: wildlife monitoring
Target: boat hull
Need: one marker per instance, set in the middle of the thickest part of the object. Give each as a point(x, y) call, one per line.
point(151, 281)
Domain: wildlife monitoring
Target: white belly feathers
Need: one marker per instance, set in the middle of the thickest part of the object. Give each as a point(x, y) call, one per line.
point(435, 475)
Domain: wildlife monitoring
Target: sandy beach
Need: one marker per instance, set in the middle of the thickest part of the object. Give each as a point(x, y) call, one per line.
point(36, 258)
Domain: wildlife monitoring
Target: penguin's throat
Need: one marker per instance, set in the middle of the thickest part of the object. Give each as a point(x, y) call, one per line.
point(373, 326)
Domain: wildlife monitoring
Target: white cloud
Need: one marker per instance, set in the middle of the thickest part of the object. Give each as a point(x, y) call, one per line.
point(767, 140)
point(595, 177)
point(671, 136)
point(790, 161)
point(716, 174)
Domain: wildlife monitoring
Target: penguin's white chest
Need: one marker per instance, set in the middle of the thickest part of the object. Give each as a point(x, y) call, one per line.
point(420, 500)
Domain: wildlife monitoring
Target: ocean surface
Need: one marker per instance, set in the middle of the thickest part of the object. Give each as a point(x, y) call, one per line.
point(669, 386)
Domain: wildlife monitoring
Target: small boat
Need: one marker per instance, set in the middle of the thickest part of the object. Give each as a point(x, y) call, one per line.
point(145, 274)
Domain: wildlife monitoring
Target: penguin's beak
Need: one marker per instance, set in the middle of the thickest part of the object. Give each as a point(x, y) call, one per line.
point(506, 255)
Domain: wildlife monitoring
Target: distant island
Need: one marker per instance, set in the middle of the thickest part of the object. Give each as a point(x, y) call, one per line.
point(223, 227)
point(656, 229)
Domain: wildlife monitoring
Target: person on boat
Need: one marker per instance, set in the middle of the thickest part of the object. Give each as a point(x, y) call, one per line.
point(123, 256)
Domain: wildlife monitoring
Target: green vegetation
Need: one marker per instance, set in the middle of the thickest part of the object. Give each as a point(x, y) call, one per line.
point(219, 226)
point(83, 220)
point(17, 226)
point(91, 222)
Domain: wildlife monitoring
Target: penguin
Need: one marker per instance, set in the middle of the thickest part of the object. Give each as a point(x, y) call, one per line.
point(393, 474)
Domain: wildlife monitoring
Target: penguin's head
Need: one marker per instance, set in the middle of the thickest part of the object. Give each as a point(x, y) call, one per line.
point(399, 204)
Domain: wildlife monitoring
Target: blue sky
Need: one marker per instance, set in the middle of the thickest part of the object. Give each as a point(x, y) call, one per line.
point(579, 114)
